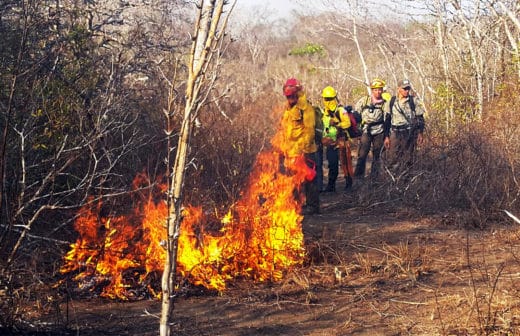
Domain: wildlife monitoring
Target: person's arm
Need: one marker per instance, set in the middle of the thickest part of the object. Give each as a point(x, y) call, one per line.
point(360, 104)
point(295, 123)
point(387, 123)
point(386, 129)
point(344, 119)
point(420, 123)
point(419, 114)
point(334, 121)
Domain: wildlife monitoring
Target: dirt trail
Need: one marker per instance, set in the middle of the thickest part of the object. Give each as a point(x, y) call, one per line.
point(366, 275)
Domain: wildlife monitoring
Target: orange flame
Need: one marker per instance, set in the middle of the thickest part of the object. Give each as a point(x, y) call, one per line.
point(259, 238)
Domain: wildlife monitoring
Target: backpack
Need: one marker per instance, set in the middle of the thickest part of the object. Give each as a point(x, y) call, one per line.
point(318, 125)
point(355, 130)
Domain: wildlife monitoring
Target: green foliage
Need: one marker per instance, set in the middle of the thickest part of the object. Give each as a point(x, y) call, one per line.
point(309, 49)
point(461, 106)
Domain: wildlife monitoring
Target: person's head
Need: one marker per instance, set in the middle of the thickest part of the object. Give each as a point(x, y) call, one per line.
point(404, 86)
point(329, 97)
point(376, 86)
point(292, 90)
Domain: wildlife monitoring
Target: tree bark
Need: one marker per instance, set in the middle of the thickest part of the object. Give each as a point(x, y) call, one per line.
point(208, 32)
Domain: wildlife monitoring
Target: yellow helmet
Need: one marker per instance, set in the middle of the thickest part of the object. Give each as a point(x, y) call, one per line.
point(329, 92)
point(377, 84)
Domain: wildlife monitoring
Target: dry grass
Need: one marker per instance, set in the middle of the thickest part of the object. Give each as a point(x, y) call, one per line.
point(370, 276)
point(457, 282)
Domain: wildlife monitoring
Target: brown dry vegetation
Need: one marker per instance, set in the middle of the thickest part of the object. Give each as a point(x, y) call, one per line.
point(392, 258)
point(367, 273)
point(431, 252)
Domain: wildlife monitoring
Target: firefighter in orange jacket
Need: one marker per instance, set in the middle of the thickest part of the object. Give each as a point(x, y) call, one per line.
point(330, 102)
point(299, 127)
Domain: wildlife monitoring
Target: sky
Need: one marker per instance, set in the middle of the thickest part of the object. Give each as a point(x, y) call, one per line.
point(279, 5)
point(271, 10)
point(275, 8)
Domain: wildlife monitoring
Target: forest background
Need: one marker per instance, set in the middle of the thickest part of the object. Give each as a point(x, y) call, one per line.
point(87, 90)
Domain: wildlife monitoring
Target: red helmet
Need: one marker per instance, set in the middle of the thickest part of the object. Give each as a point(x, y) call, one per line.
point(291, 86)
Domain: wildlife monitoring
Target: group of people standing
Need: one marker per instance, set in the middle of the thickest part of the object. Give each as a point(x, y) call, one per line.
point(393, 122)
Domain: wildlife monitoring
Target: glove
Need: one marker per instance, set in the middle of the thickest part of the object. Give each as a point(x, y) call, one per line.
point(326, 141)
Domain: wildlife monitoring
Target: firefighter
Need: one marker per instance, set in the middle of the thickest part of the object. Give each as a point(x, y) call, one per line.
point(341, 123)
point(299, 136)
point(329, 141)
point(373, 109)
point(404, 126)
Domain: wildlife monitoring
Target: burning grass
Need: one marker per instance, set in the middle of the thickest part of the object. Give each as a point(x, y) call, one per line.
point(260, 237)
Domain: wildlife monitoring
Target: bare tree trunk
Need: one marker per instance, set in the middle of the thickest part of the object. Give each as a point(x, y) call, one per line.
point(470, 31)
point(509, 31)
point(445, 65)
point(360, 52)
point(208, 33)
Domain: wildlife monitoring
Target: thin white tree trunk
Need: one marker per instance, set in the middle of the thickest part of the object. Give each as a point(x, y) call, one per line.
point(445, 66)
point(471, 30)
point(360, 52)
point(208, 31)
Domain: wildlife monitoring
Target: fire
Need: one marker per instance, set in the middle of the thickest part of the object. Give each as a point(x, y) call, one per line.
point(259, 238)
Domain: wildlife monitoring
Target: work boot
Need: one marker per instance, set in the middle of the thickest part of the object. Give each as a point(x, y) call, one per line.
point(331, 188)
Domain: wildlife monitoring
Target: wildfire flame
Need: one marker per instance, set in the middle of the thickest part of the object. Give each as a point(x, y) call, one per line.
point(259, 238)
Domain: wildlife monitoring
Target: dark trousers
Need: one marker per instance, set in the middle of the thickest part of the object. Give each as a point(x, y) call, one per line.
point(312, 194)
point(402, 148)
point(366, 142)
point(319, 167)
point(333, 159)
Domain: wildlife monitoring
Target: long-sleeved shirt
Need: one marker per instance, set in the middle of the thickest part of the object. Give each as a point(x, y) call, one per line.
point(402, 115)
point(372, 114)
point(299, 127)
